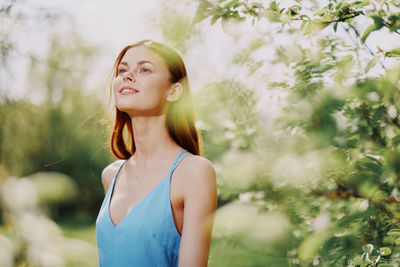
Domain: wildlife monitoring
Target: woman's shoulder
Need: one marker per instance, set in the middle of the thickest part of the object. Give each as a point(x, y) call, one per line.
point(198, 169)
point(199, 163)
point(109, 172)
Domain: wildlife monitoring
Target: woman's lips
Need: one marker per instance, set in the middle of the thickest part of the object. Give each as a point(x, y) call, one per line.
point(128, 90)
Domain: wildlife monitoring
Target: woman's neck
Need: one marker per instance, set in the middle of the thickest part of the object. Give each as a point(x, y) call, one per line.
point(152, 140)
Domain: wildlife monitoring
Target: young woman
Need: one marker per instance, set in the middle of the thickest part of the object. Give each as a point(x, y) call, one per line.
point(161, 195)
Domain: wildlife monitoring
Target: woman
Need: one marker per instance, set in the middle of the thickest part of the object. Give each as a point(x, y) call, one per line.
point(161, 196)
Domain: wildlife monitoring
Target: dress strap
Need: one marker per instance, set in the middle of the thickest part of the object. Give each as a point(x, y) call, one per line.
point(115, 176)
point(177, 157)
point(178, 160)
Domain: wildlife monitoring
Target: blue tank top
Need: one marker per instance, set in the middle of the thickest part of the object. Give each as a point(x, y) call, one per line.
point(147, 235)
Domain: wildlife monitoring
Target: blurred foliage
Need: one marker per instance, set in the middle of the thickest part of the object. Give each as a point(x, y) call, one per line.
point(56, 135)
point(232, 122)
point(65, 131)
point(176, 26)
point(316, 186)
point(30, 237)
point(327, 169)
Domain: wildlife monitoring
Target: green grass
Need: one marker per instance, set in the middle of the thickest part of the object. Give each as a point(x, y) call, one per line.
point(229, 252)
point(82, 228)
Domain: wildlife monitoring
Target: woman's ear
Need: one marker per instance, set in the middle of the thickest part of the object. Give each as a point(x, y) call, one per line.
point(175, 92)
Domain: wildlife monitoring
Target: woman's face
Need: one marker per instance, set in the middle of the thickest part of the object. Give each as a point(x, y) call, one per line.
point(142, 82)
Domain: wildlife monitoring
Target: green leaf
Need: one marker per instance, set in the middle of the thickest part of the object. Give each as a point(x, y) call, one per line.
point(328, 17)
point(397, 242)
point(385, 265)
point(345, 5)
point(257, 5)
point(310, 246)
point(366, 33)
point(357, 262)
point(236, 5)
point(379, 22)
point(273, 6)
point(393, 53)
point(204, 10)
point(371, 64)
point(360, 4)
point(321, 12)
point(394, 232)
point(233, 4)
point(305, 17)
point(303, 24)
point(385, 251)
point(214, 19)
point(394, 22)
point(339, 5)
point(312, 26)
point(335, 26)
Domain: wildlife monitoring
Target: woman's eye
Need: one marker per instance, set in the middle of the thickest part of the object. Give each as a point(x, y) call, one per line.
point(144, 70)
point(121, 71)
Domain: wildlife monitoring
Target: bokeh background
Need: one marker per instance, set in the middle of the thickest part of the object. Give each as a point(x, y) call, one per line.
point(297, 102)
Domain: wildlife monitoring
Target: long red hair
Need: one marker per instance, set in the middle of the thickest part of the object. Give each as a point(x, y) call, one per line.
point(180, 119)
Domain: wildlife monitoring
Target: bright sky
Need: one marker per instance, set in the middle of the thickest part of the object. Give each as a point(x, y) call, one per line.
point(113, 24)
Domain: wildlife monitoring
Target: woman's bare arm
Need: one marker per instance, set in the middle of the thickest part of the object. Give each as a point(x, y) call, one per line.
point(200, 203)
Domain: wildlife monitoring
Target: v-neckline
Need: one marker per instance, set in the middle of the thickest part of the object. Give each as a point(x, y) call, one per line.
point(134, 207)
point(144, 198)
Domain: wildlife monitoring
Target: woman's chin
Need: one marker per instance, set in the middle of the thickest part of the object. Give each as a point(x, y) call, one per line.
point(134, 110)
point(126, 108)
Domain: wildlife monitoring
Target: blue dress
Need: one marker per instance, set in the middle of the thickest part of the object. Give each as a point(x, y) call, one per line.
point(147, 235)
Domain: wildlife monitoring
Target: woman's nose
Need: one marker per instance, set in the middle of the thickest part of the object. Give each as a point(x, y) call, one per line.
point(128, 76)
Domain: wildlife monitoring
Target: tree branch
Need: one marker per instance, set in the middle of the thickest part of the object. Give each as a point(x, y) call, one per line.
point(341, 19)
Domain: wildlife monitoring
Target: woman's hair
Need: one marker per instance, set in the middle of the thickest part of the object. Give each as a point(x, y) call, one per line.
point(179, 115)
